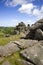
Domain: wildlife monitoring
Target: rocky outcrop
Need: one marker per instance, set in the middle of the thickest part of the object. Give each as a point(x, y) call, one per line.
point(37, 25)
point(36, 29)
point(25, 43)
point(21, 28)
point(39, 34)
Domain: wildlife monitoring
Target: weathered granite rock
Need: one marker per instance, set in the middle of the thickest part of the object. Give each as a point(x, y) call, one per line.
point(35, 30)
point(34, 54)
point(23, 62)
point(39, 34)
point(6, 63)
point(41, 42)
point(37, 25)
point(25, 43)
point(8, 49)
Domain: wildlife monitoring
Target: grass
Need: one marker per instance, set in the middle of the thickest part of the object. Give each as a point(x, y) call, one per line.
point(13, 59)
point(5, 40)
point(1, 34)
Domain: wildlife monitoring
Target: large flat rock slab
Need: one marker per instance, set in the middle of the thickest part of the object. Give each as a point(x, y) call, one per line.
point(34, 54)
point(8, 49)
point(26, 43)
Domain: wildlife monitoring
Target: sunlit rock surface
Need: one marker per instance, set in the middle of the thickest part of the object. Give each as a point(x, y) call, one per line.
point(36, 31)
point(8, 49)
point(34, 54)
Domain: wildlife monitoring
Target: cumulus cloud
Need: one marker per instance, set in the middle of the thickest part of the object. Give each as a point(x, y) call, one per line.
point(27, 8)
point(38, 13)
point(31, 9)
point(16, 2)
point(42, 9)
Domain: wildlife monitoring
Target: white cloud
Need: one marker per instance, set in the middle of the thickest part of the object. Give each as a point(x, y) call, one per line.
point(42, 9)
point(16, 2)
point(26, 8)
point(36, 12)
point(33, 10)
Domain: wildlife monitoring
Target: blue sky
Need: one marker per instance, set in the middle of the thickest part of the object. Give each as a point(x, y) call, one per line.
point(14, 11)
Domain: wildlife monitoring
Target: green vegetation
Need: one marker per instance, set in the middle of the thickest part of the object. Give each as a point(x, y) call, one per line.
point(1, 34)
point(7, 30)
point(5, 40)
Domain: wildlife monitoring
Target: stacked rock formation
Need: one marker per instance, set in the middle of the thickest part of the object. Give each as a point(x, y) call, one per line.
point(36, 31)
